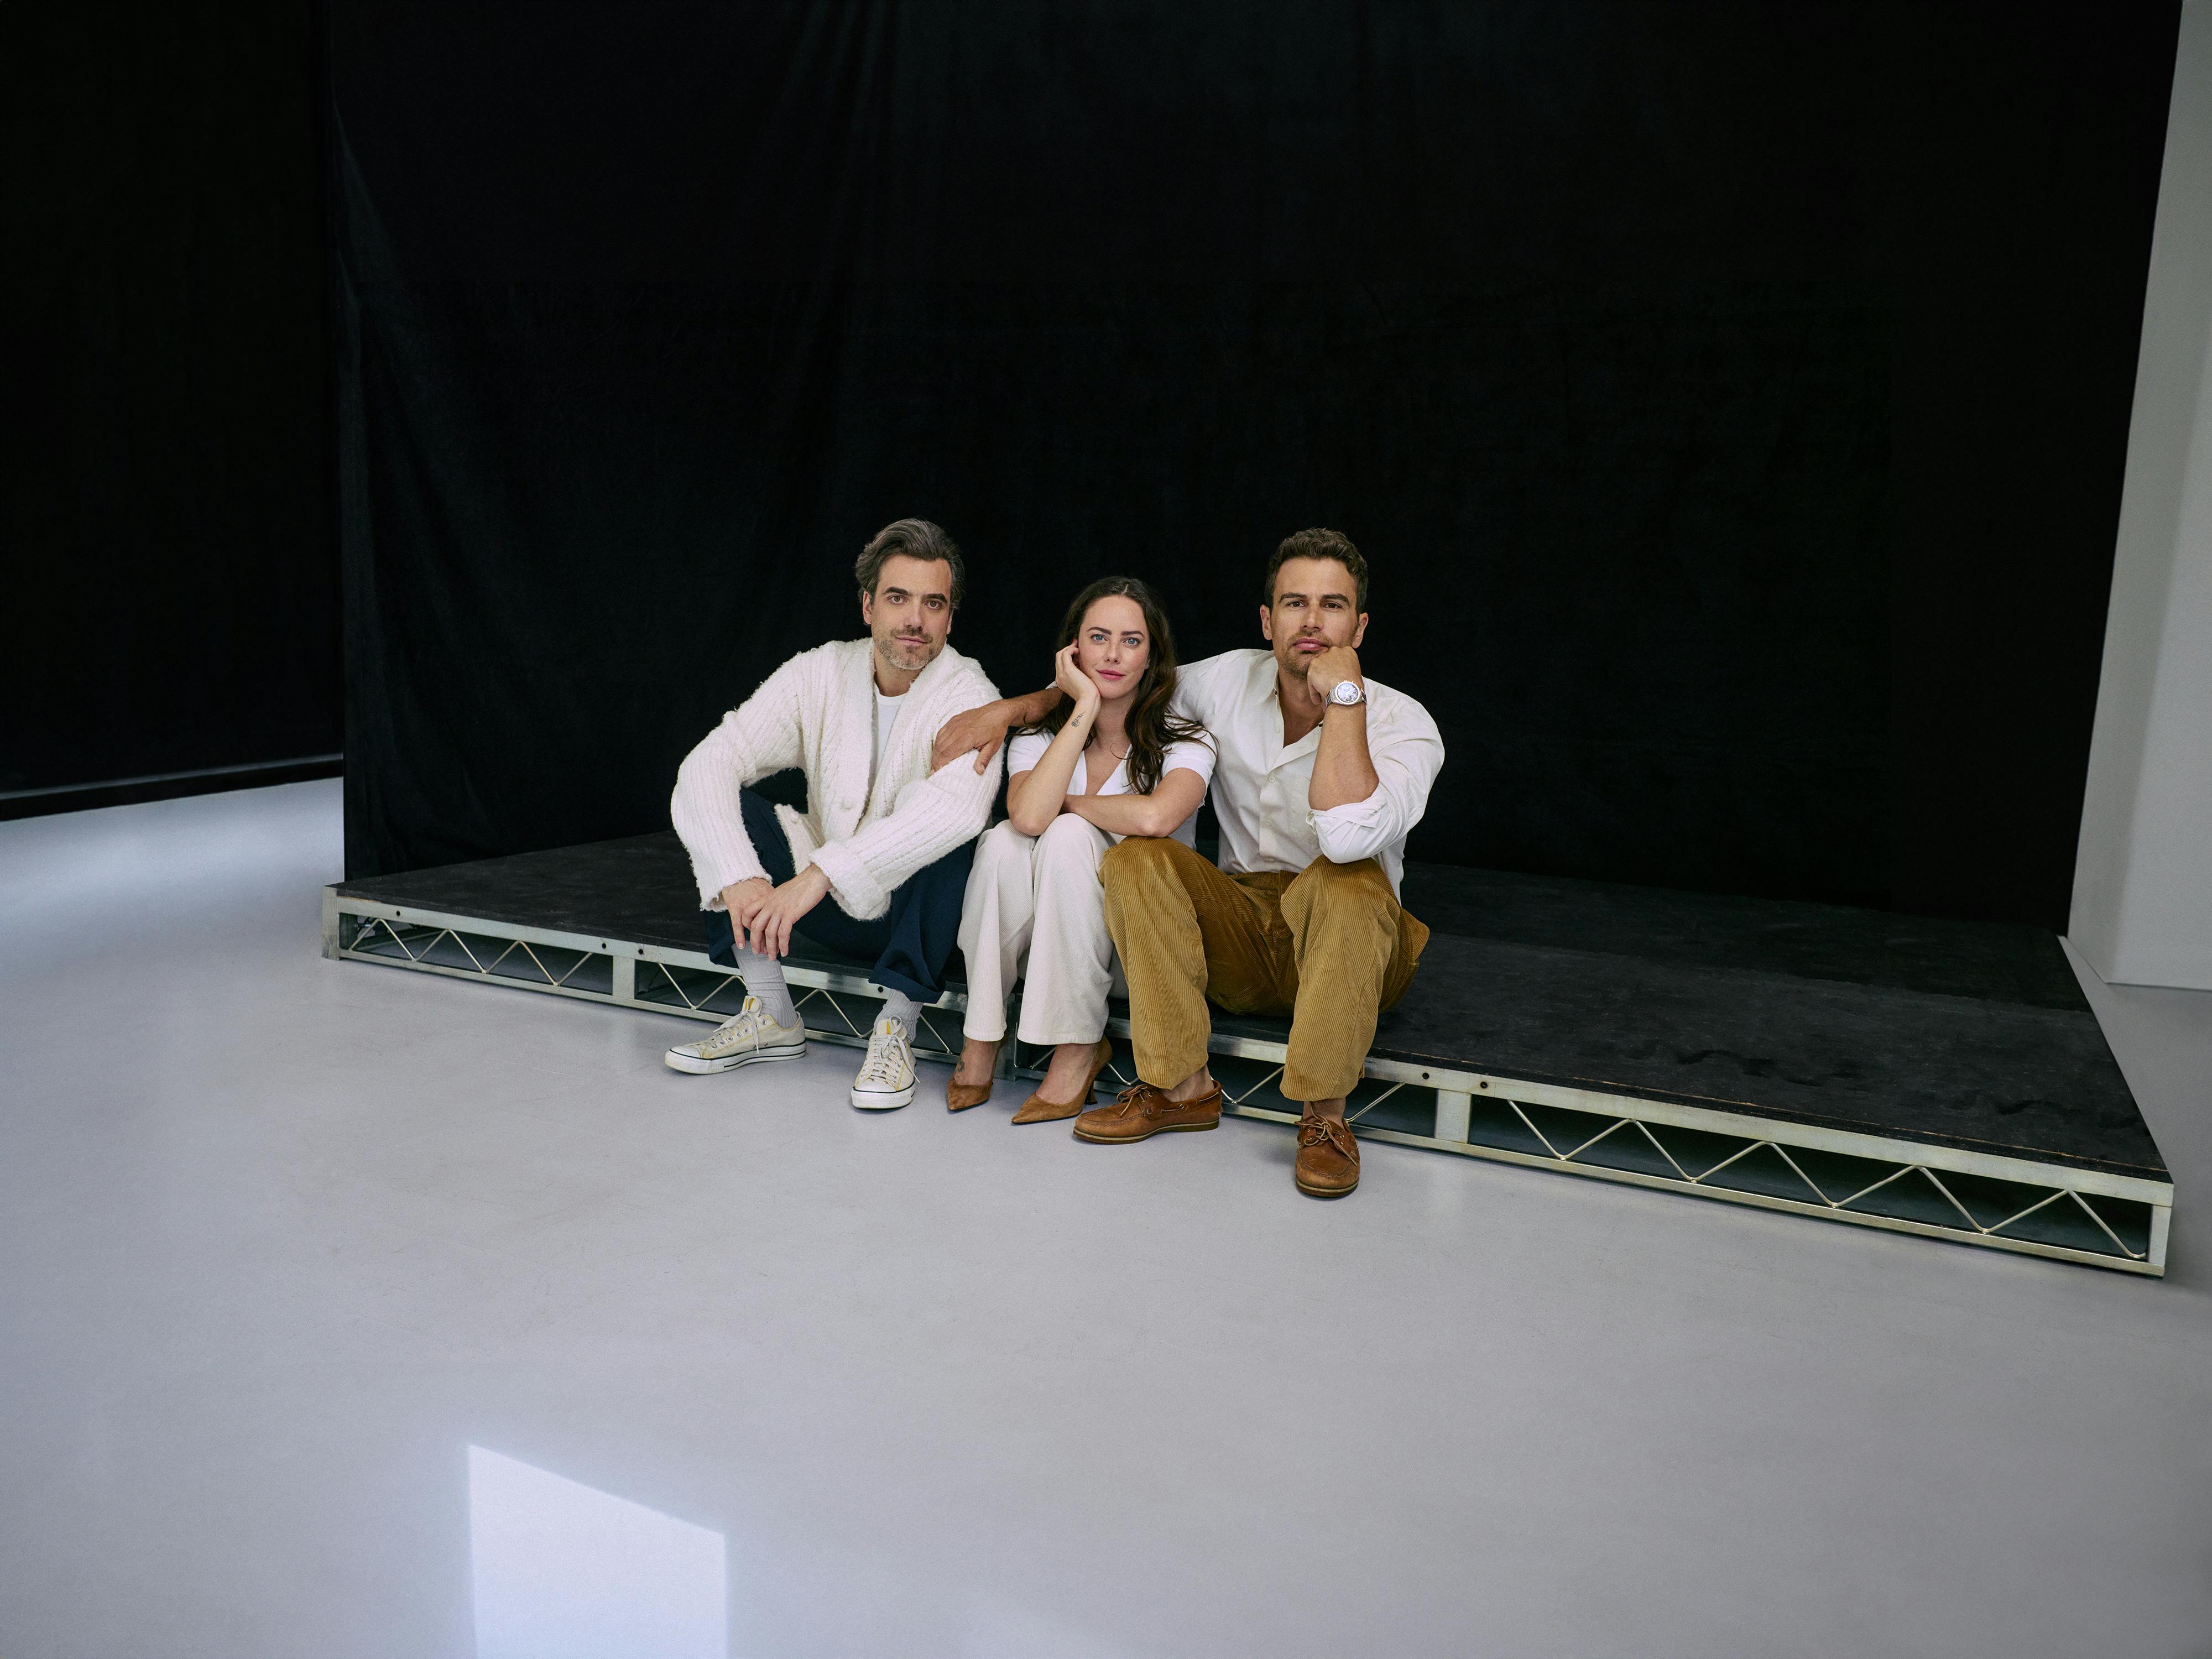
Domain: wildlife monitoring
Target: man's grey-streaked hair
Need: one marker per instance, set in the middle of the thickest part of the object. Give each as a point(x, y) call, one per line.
point(917, 539)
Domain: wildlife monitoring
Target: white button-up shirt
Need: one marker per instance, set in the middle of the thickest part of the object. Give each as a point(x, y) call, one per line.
point(1260, 786)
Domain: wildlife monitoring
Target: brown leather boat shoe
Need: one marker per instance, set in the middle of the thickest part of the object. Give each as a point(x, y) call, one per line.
point(1328, 1157)
point(1037, 1109)
point(1141, 1111)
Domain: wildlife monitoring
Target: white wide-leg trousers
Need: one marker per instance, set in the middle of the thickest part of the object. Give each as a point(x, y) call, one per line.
point(1034, 907)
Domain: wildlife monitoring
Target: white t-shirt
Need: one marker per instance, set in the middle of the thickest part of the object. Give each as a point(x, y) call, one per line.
point(1024, 752)
point(886, 717)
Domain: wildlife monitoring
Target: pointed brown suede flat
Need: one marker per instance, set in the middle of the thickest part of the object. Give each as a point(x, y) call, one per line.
point(1037, 1109)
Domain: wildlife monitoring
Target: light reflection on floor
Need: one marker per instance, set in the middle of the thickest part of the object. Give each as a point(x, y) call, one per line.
point(560, 1570)
point(280, 1244)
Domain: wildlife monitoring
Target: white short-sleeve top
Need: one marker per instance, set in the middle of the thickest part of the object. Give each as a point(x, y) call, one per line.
point(1026, 749)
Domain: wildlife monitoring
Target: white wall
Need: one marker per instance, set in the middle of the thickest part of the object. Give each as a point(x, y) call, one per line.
point(2143, 879)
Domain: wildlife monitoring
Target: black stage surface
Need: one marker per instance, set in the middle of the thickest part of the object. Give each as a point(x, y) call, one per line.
point(1949, 1034)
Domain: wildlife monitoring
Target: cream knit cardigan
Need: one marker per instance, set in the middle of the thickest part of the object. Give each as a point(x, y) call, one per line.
point(817, 712)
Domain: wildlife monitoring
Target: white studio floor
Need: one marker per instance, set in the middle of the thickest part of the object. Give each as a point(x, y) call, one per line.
point(348, 1311)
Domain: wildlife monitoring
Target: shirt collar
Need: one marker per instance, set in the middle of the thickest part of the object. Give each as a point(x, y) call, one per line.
point(1271, 705)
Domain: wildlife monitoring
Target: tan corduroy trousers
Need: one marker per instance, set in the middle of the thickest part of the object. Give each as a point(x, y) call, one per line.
point(1330, 947)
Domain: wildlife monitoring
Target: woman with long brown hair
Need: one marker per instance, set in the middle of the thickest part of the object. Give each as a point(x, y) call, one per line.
point(1109, 761)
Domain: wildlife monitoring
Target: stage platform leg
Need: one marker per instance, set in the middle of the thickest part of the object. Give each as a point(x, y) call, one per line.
point(1997, 1202)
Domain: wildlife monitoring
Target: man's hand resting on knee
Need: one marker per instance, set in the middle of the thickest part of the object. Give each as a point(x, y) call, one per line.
point(741, 899)
point(761, 916)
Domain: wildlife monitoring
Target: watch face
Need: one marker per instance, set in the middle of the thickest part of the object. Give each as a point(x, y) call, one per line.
point(1345, 692)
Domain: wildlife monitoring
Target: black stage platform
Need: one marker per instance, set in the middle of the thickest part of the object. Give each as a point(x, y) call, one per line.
point(1940, 1077)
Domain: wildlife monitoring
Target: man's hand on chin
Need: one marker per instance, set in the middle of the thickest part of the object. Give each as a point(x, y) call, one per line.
point(1331, 668)
point(780, 912)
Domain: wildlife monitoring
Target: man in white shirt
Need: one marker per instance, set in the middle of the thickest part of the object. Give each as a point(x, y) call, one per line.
point(1321, 772)
point(886, 833)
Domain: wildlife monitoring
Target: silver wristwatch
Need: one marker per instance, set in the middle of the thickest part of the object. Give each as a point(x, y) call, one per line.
point(1347, 693)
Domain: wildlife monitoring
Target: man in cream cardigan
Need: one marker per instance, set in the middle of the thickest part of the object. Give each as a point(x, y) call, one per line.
point(885, 837)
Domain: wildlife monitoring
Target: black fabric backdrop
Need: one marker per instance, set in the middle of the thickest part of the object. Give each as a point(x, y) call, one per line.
point(1731, 400)
point(167, 529)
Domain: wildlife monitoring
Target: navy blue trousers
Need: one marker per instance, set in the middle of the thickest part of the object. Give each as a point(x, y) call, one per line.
point(907, 948)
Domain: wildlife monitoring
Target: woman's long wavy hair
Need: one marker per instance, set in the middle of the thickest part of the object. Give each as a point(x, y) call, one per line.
point(1151, 727)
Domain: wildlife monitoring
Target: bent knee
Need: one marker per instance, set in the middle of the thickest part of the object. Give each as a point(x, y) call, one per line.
point(1002, 840)
point(1135, 857)
point(1326, 877)
point(1323, 885)
point(1068, 835)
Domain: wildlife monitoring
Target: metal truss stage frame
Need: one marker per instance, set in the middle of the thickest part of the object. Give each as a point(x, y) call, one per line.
point(2067, 1207)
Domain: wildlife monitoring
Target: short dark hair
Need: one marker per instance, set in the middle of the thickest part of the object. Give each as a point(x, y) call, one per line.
point(1318, 545)
point(917, 539)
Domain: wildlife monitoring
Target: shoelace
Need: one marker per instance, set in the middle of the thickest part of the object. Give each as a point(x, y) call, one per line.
point(746, 1022)
point(1313, 1131)
point(885, 1050)
point(1144, 1099)
point(1138, 1096)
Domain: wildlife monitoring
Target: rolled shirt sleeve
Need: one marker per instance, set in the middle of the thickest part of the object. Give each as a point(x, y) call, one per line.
point(1406, 760)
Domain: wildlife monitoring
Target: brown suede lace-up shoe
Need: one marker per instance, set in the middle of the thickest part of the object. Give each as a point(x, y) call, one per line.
point(1141, 1111)
point(1328, 1157)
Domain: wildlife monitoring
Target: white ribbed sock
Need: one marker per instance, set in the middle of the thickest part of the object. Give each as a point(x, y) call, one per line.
point(904, 1008)
point(763, 978)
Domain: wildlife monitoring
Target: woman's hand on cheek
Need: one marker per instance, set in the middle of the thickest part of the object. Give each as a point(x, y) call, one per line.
point(1078, 686)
